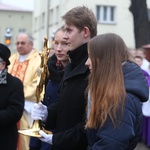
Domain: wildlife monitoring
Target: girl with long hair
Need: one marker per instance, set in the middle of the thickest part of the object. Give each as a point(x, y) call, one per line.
point(116, 89)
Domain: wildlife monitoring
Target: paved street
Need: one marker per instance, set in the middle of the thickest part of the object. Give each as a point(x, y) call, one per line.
point(142, 146)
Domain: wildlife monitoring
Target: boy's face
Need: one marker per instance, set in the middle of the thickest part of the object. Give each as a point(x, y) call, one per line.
point(74, 36)
point(89, 62)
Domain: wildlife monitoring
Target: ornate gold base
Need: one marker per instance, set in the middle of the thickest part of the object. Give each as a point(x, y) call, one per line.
point(34, 131)
point(30, 132)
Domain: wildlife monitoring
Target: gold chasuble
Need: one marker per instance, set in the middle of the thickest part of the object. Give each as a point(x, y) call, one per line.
point(26, 71)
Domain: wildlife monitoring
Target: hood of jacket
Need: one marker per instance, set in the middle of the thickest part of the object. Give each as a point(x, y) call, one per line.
point(135, 81)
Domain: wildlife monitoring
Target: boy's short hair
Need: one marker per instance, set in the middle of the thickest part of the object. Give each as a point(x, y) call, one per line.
point(81, 17)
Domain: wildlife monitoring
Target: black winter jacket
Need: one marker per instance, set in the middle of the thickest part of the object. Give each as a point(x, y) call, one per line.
point(67, 116)
point(11, 109)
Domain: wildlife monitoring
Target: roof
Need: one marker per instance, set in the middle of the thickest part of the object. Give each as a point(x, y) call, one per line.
point(6, 7)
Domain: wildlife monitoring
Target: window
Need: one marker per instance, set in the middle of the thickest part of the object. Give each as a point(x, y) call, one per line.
point(148, 11)
point(43, 20)
point(22, 30)
point(105, 14)
point(57, 14)
point(51, 17)
point(36, 24)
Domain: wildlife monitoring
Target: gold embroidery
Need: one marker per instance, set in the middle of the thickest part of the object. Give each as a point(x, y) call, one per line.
point(19, 69)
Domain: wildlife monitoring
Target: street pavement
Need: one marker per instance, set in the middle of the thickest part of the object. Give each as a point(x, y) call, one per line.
point(142, 146)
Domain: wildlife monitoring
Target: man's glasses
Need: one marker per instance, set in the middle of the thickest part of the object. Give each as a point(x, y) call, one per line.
point(22, 43)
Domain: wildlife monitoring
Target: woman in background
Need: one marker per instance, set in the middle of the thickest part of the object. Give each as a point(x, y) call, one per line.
point(57, 61)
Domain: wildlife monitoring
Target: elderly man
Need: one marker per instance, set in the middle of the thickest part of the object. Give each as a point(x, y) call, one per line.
point(24, 65)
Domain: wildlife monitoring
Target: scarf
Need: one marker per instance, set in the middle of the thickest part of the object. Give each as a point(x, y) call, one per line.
point(3, 76)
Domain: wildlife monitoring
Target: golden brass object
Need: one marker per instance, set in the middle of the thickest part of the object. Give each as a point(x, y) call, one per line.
point(40, 91)
point(34, 131)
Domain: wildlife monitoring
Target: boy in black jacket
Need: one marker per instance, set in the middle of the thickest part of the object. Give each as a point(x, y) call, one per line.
point(67, 115)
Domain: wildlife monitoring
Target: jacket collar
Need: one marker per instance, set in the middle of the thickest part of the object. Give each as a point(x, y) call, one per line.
point(56, 72)
point(78, 58)
point(77, 55)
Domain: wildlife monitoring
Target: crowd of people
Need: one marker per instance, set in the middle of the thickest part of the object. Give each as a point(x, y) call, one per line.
point(95, 96)
point(140, 59)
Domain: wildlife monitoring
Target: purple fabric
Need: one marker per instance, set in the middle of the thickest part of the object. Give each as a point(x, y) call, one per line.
point(146, 120)
point(146, 130)
point(147, 77)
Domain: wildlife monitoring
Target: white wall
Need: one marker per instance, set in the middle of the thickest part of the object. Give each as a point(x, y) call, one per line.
point(123, 25)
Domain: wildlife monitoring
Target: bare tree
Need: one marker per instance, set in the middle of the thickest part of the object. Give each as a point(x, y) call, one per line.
point(141, 23)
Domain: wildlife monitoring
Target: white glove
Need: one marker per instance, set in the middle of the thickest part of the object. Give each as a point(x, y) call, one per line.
point(39, 112)
point(47, 138)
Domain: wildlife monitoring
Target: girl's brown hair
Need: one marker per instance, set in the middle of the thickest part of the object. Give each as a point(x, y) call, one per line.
point(106, 82)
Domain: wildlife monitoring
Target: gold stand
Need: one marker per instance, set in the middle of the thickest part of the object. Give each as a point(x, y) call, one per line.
point(34, 131)
point(43, 75)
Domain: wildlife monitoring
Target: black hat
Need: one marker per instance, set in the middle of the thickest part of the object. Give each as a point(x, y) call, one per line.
point(5, 53)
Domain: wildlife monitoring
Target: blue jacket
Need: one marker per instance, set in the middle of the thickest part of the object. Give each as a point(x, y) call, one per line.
point(127, 133)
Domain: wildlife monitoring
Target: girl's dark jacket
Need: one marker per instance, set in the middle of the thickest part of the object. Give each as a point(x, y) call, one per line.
point(68, 113)
point(55, 76)
point(127, 133)
point(11, 109)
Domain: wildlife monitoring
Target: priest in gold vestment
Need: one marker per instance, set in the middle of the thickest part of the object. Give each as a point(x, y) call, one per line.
point(24, 65)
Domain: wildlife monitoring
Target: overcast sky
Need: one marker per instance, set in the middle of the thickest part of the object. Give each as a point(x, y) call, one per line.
point(29, 4)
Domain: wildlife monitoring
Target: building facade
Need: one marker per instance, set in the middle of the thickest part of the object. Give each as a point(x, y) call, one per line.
point(13, 21)
point(112, 16)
